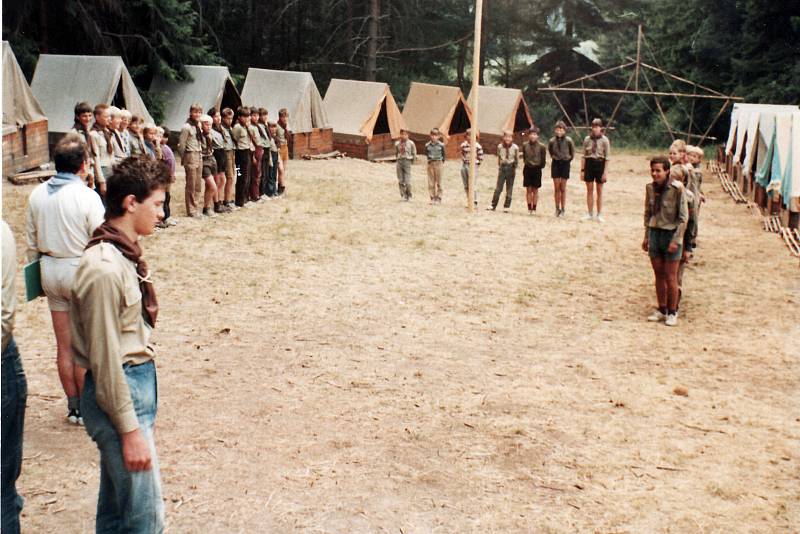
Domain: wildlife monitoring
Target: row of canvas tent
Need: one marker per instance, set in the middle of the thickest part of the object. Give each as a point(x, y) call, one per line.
point(763, 154)
point(361, 119)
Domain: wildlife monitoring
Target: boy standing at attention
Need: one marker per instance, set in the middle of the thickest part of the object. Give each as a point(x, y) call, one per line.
point(189, 150)
point(113, 313)
point(594, 168)
point(230, 158)
point(465, 155)
point(507, 156)
point(695, 157)
point(562, 151)
point(284, 137)
point(243, 154)
point(406, 152)
point(534, 156)
point(435, 151)
point(665, 216)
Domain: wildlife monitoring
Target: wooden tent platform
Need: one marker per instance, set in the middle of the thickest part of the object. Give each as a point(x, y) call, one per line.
point(30, 177)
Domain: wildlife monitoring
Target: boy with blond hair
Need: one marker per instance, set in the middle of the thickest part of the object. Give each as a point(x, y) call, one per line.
point(507, 157)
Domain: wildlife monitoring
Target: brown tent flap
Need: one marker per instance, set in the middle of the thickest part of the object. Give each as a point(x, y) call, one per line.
point(431, 106)
point(360, 108)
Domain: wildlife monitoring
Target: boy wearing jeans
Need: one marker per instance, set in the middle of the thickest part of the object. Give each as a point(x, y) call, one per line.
point(435, 149)
point(113, 313)
point(507, 156)
point(406, 152)
point(465, 155)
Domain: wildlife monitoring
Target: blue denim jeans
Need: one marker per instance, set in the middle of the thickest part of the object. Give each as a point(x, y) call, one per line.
point(271, 188)
point(14, 394)
point(129, 502)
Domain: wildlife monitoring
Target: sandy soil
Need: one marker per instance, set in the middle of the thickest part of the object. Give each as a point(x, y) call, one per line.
point(340, 361)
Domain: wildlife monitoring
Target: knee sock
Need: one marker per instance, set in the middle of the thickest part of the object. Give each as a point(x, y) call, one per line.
point(73, 403)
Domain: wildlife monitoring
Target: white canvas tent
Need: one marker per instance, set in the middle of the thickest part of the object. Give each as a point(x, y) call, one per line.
point(431, 106)
point(499, 109)
point(60, 82)
point(19, 105)
point(210, 86)
point(24, 122)
point(295, 91)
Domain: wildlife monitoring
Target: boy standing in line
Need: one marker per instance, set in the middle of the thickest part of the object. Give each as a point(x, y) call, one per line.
point(665, 216)
point(258, 154)
point(534, 156)
point(465, 155)
point(266, 157)
point(244, 150)
point(189, 149)
point(406, 152)
point(594, 168)
point(169, 158)
point(230, 159)
point(435, 150)
point(284, 137)
point(104, 149)
point(275, 160)
point(695, 157)
point(562, 151)
point(113, 313)
point(507, 157)
point(83, 118)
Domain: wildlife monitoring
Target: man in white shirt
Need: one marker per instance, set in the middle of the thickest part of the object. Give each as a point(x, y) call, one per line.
point(62, 215)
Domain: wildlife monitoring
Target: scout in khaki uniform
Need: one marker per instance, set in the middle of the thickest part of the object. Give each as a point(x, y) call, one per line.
point(562, 152)
point(209, 171)
point(113, 313)
point(230, 158)
point(284, 137)
point(435, 151)
point(266, 158)
point(534, 155)
point(507, 157)
point(406, 152)
point(103, 148)
point(275, 158)
point(189, 150)
point(594, 169)
point(244, 154)
point(665, 216)
point(83, 120)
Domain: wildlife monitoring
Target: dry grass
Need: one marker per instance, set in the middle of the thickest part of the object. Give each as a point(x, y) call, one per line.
point(340, 361)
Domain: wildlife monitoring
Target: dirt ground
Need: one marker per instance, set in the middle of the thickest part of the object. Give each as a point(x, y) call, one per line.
point(341, 361)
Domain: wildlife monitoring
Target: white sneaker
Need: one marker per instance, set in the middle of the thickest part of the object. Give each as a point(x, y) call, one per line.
point(656, 317)
point(672, 319)
point(587, 216)
point(600, 218)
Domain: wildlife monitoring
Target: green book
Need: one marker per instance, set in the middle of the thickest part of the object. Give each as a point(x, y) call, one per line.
point(33, 281)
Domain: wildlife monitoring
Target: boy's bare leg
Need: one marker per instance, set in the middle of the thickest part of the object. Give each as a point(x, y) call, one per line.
point(671, 279)
point(660, 282)
point(599, 197)
point(210, 192)
point(70, 375)
point(590, 197)
point(220, 187)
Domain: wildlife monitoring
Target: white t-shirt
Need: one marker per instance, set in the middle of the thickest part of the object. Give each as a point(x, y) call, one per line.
point(60, 224)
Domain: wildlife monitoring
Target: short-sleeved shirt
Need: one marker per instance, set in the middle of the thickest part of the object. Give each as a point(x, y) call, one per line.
point(601, 149)
point(241, 137)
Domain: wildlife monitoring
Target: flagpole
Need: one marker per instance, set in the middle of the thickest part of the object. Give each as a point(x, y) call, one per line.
point(473, 131)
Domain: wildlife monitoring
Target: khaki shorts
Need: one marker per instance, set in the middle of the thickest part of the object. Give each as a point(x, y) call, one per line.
point(284, 150)
point(57, 277)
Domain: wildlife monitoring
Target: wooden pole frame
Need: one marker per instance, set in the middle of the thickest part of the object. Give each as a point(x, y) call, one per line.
point(639, 68)
point(473, 131)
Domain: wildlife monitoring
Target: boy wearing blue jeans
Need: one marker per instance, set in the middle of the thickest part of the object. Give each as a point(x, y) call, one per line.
point(113, 313)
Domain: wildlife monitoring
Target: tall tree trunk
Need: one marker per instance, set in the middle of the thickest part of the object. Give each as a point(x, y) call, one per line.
point(461, 62)
point(372, 45)
point(349, 30)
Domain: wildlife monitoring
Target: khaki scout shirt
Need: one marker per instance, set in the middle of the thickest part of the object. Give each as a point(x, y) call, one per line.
point(674, 212)
point(227, 139)
point(188, 141)
point(108, 329)
point(507, 155)
point(603, 150)
point(102, 158)
point(263, 136)
point(561, 148)
point(241, 138)
point(534, 155)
